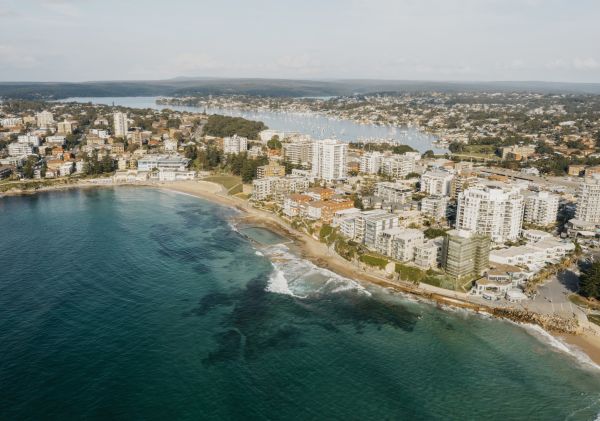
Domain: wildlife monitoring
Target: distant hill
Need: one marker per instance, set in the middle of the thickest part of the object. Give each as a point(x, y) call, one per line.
point(272, 87)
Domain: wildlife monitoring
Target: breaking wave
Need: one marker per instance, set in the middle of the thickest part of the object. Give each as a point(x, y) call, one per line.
point(301, 278)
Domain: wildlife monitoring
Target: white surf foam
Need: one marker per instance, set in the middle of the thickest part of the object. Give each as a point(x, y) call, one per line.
point(278, 284)
point(539, 333)
point(258, 253)
point(303, 278)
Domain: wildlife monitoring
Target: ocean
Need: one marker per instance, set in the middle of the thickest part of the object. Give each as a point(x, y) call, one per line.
point(134, 303)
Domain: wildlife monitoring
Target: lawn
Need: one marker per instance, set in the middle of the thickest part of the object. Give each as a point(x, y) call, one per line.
point(582, 302)
point(232, 183)
point(594, 318)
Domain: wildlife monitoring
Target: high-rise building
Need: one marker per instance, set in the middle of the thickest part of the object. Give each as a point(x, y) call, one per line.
point(463, 180)
point(491, 211)
point(541, 208)
point(44, 119)
point(65, 127)
point(436, 182)
point(465, 254)
point(398, 166)
point(120, 126)
point(588, 200)
point(393, 192)
point(370, 162)
point(329, 160)
point(298, 151)
point(272, 169)
point(235, 145)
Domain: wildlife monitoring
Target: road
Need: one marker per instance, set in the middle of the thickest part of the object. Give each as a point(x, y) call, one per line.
point(568, 183)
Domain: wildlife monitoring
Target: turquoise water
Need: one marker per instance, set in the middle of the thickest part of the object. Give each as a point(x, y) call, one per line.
point(140, 304)
point(318, 126)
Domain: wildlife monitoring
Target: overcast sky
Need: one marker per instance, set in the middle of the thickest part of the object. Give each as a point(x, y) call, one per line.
point(81, 40)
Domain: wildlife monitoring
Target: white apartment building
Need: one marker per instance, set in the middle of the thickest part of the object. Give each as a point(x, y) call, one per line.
point(20, 149)
point(534, 255)
point(56, 140)
point(375, 225)
point(162, 162)
point(11, 122)
point(120, 124)
point(278, 187)
point(329, 160)
point(541, 208)
point(428, 254)
point(398, 166)
point(170, 145)
point(393, 192)
point(353, 227)
point(165, 174)
point(588, 200)
point(44, 119)
point(436, 182)
point(370, 162)
point(29, 139)
point(492, 211)
point(399, 243)
point(435, 206)
point(235, 145)
point(100, 133)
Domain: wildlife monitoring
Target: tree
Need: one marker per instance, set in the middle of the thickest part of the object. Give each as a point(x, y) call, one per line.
point(456, 147)
point(29, 167)
point(589, 282)
point(221, 126)
point(274, 143)
point(428, 154)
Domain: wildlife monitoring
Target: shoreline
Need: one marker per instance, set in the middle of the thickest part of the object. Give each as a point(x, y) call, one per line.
point(587, 340)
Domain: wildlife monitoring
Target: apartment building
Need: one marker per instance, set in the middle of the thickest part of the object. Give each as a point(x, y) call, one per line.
point(272, 169)
point(325, 210)
point(20, 149)
point(399, 243)
point(394, 193)
point(541, 208)
point(465, 254)
point(491, 211)
point(462, 180)
point(298, 152)
point(398, 166)
point(375, 224)
point(370, 162)
point(535, 254)
point(428, 254)
point(44, 119)
point(436, 182)
point(120, 124)
point(329, 160)
point(234, 145)
point(277, 188)
point(435, 207)
point(588, 200)
point(162, 162)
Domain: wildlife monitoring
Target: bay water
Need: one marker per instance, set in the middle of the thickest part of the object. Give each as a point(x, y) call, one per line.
point(134, 303)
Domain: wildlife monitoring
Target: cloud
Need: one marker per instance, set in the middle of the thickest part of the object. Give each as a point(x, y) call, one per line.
point(15, 59)
point(8, 13)
point(587, 63)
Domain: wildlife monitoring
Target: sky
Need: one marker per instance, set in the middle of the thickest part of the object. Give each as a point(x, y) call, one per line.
point(448, 40)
